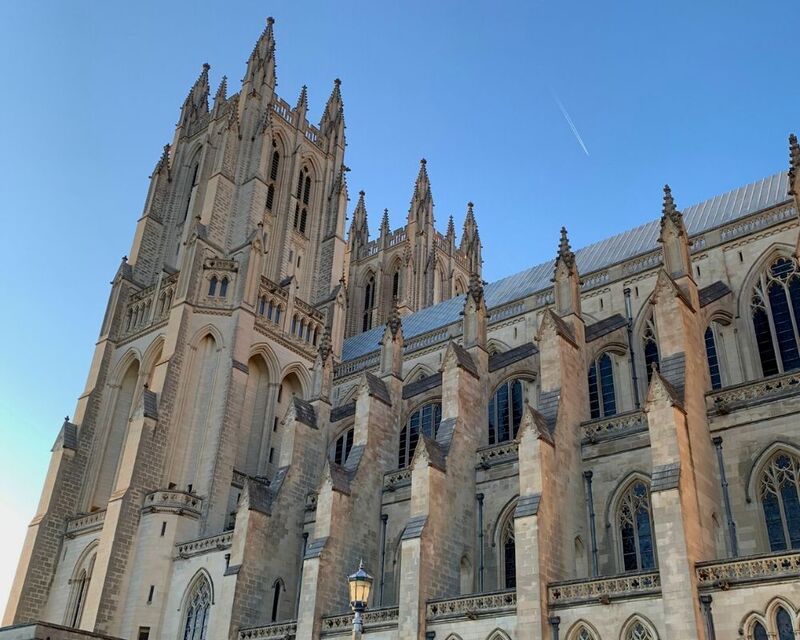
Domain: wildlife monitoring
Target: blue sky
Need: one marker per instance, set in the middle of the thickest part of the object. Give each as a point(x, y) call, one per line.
point(698, 94)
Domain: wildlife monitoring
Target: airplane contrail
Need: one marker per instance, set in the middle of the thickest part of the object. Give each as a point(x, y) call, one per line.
point(570, 123)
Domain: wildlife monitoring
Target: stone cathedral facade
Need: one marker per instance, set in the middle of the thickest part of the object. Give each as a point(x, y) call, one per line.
point(603, 447)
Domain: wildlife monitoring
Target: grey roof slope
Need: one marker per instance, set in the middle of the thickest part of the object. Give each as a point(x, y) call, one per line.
point(698, 218)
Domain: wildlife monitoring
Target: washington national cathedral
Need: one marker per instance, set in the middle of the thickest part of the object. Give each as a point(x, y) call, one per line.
point(602, 447)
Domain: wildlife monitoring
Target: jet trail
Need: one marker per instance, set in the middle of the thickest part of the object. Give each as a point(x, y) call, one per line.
point(570, 123)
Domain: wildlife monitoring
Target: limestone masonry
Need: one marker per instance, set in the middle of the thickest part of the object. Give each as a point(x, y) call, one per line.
point(603, 447)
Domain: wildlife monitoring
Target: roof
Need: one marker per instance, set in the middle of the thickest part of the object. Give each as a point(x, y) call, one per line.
point(698, 218)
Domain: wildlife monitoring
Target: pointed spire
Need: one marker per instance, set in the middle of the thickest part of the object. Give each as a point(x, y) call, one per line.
point(302, 100)
point(565, 253)
point(421, 209)
point(359, 230)
point(422, 185)
point(470, 244)
point(261, 63)
point(198, 94)
point(674, 239)
point(222, 90)
point(451, 228)
point(794, 163)
point(385, 230)
point(334, 106)
point(162, 166)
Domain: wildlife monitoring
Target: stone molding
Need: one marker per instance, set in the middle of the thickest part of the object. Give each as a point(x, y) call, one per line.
point(745, 394)
point(372, 619)
point(85, 523)
point(617, 426)
point(278, 630)
point(200, 546)
point(173, 501)
point(497, 453)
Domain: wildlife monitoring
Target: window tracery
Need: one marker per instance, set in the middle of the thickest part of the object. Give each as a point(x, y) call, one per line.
point(775, 307)
point(198, 603)
point(780, 498)
point(635, 527)
point(602, 397)
point(424, 420)
point(505, 411)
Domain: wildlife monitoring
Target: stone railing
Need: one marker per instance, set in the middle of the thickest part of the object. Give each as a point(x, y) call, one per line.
point(397, 236)
point(729, 398)
point(282, 109)
point(279, 630)
point(170, 500)
point(475, 606)
point(394, 479)
point(506, 311)
point(766, 219)
point(204, 545)
point(358, 364)
point(426, 340)
point(85, 523)
point(620, 425)
point(604, 589)
point(371, 619)
point(503, 452)
point(724, 574)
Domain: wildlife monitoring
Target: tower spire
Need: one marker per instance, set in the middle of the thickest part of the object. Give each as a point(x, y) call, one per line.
point(567, 282)
point(669, 210)
point(471, 241)
point(261, 63)
point(222, 91)
point(385, 223)
point(565, 253)
point(421, 210)
point(359, 231)
point(451, 229)
point(302, 100)
point(674, 239)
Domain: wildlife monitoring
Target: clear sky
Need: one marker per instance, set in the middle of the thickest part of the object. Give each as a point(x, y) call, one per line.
point(698, 94)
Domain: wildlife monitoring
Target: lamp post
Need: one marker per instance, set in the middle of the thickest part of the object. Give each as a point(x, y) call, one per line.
point(360, 584)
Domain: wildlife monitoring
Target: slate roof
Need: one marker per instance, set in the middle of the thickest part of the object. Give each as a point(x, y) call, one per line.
point(698, 218)
point(713, 292)
point(605, 326)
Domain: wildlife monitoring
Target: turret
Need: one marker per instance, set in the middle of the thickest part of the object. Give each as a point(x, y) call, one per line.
point(301, 108)
point(471, 242)
point(358, 236)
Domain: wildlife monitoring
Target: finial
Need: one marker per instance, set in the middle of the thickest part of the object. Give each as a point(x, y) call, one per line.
point(565, 253)
point(124, 258)
point(302, 99)
point(669, 209)
point(270, 21)
point(337, 82)
point(451, 227)
point(66, 418)
point(394, 322)
point(146, 385)
point(385, 220)
point(361, 193)
point(475, 287)
point(794, 162)
point(423, 161)
point(206, 66)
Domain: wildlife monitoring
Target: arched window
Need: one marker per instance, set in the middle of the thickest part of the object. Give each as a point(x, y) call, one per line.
point(198, 603)
point(396, 284)
point(192, 190)
point(270, 196)
point(262, 305)
point(582, 632)
point(635, 528)
point(212, 286)
point(278, 312)
point(369, 303)
point(638, 631)
point(275, 164)
point(711, 357)
point(80, 580)
point(780, 498)
point(223, 288)
point(270, 308)
point(294, 325)
point(303, 199)
point(276, 598)
point(783, 621)
point(505, 411)
point(509, 550)
point(650, 347)
point(759, 632)
point(602, 401)
point(343, 445)
point(775, 307)
point(425, 420)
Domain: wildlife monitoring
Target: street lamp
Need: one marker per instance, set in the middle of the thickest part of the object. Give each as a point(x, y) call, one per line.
point(360, 584)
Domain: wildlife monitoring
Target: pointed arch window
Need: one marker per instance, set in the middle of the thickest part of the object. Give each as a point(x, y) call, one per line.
point(192, 190)
point(583, 633)
point(270, 196)
point(783, 621)
point(262, 306)
point(635, 528)
point(505, 411)
point(509, 551)
point(369, 303)
point(223, 288)
point(275, 162)
point(650, 348)
point(198, 603)
point(775, 307)
point(602, 399)
point(344, 443)
point(303, 196)
point(759, 632)
point(712, 359)
point(212, 286)
point(424, 420)
point(780, 499)
point(80, 586)
point(396, 284)
point(276, 598)
point(639, 631)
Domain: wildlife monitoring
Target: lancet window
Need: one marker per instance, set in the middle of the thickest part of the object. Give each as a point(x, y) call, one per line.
point(505, 411)
point(344, 443)
point(775, 307)
point(198, 603)
point(602, 399)
point(424, 420)
point(712, 359)
point(635, 528)
point(650, 347)
point(780, 499)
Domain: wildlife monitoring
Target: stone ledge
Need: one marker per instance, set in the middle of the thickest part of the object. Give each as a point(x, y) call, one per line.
point(38, 630)
point(472, 607)
point(279, 630)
